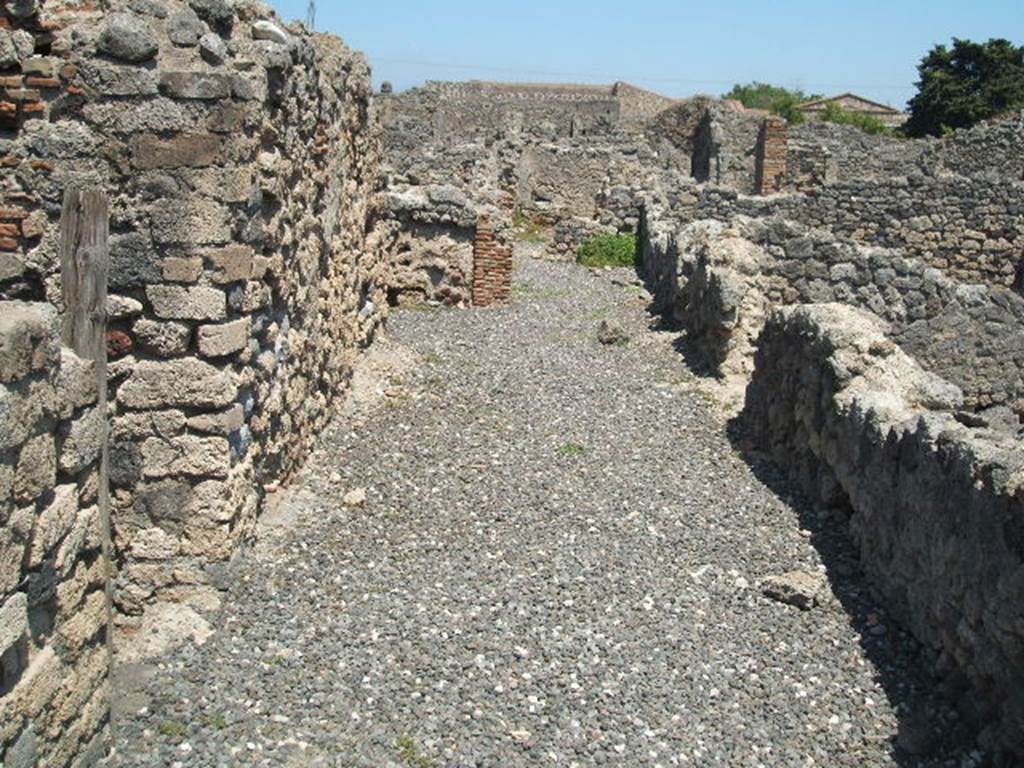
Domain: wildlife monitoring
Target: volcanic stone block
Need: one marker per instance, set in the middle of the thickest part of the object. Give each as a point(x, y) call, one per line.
point(116, 80)
point(185, 383)
point(133, 261)
point(177, 302)
point(203, 86)
point(222, 340)
point(128, 38)
point(182, 269)
point(189, 150)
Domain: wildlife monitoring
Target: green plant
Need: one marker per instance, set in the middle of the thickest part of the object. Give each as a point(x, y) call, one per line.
point(527, 230)
point(572, 449)
point(173, 729)
point(833, 113)
point(217, 722)
point(608, 251)
point(781, 101)
point(409, 753)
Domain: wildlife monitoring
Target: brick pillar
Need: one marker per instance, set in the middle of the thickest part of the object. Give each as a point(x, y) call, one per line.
point(772, 149)
point(492, 267)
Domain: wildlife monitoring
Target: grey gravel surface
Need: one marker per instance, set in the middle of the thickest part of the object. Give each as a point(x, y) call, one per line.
point(558, 562)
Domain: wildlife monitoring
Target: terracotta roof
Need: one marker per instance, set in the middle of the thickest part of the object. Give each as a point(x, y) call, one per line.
point(822, 102)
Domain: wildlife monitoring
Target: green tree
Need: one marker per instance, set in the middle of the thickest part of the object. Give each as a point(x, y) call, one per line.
point(781, 101)
point(965, 84)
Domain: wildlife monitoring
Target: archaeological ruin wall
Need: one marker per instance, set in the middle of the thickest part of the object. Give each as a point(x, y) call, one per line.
point(934, 499)
point(247, 270)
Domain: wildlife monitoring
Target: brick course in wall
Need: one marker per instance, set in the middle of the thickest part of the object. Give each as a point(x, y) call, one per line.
point(492, 267)
point(772, 150)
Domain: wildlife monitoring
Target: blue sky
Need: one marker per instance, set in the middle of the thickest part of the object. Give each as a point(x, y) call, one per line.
point(675, 47)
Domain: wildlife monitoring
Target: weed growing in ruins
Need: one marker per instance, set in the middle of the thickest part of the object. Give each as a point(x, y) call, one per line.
point(172, 729)
point(409, 753)
point(526, 230)
point(432, 358)
point(572, 449)
point(216, 722)
point(608, 251)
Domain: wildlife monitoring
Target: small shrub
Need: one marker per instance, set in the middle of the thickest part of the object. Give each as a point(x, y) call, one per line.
point(833, 113)
point(608, 251)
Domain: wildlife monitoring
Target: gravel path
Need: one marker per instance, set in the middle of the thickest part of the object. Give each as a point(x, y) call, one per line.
point(557, 563)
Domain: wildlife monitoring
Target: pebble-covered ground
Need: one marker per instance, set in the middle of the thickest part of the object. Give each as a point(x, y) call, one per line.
point(557, 563)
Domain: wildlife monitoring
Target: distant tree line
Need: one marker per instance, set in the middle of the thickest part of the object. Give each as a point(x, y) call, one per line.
point(959, 87)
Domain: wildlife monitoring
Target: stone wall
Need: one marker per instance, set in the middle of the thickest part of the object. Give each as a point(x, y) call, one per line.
point(241, 160)
point(935, 506)
point(720, 280)
point(967, 227)
point(55, 692)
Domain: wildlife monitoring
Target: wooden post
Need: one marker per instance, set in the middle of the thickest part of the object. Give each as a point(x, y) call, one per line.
point(85, 266)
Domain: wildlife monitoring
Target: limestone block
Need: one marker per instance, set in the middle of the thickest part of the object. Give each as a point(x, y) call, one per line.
point(75, 385)
point(267, 30)
point(36, 470)
point(231, 264)
point(86, 623)
point(85, 534)
point(11, 265)
point(182, 269)
point(184, 383)
point(189, 150)
point(6, 486)
point(139, 426)
point(84, 441)
point(223, 423)
point(29, 339)
point(122, 307)
point(187, 455)
point(174, 302)
point(153, 544)
point(165, 339)
point(229, 185)
point(196, 85)
point(13, 620)
point(54, 523)
point(190, 222)
point(222, 340)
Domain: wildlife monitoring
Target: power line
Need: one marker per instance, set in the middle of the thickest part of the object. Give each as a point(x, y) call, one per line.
point(607, 77)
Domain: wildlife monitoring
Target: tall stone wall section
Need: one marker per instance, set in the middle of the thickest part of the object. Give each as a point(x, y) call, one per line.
point(241, 159)
point(55, 691)
point(936, 506)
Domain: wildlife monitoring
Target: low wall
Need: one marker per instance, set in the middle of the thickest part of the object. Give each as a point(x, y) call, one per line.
point(937, 508)
point(719, 279)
